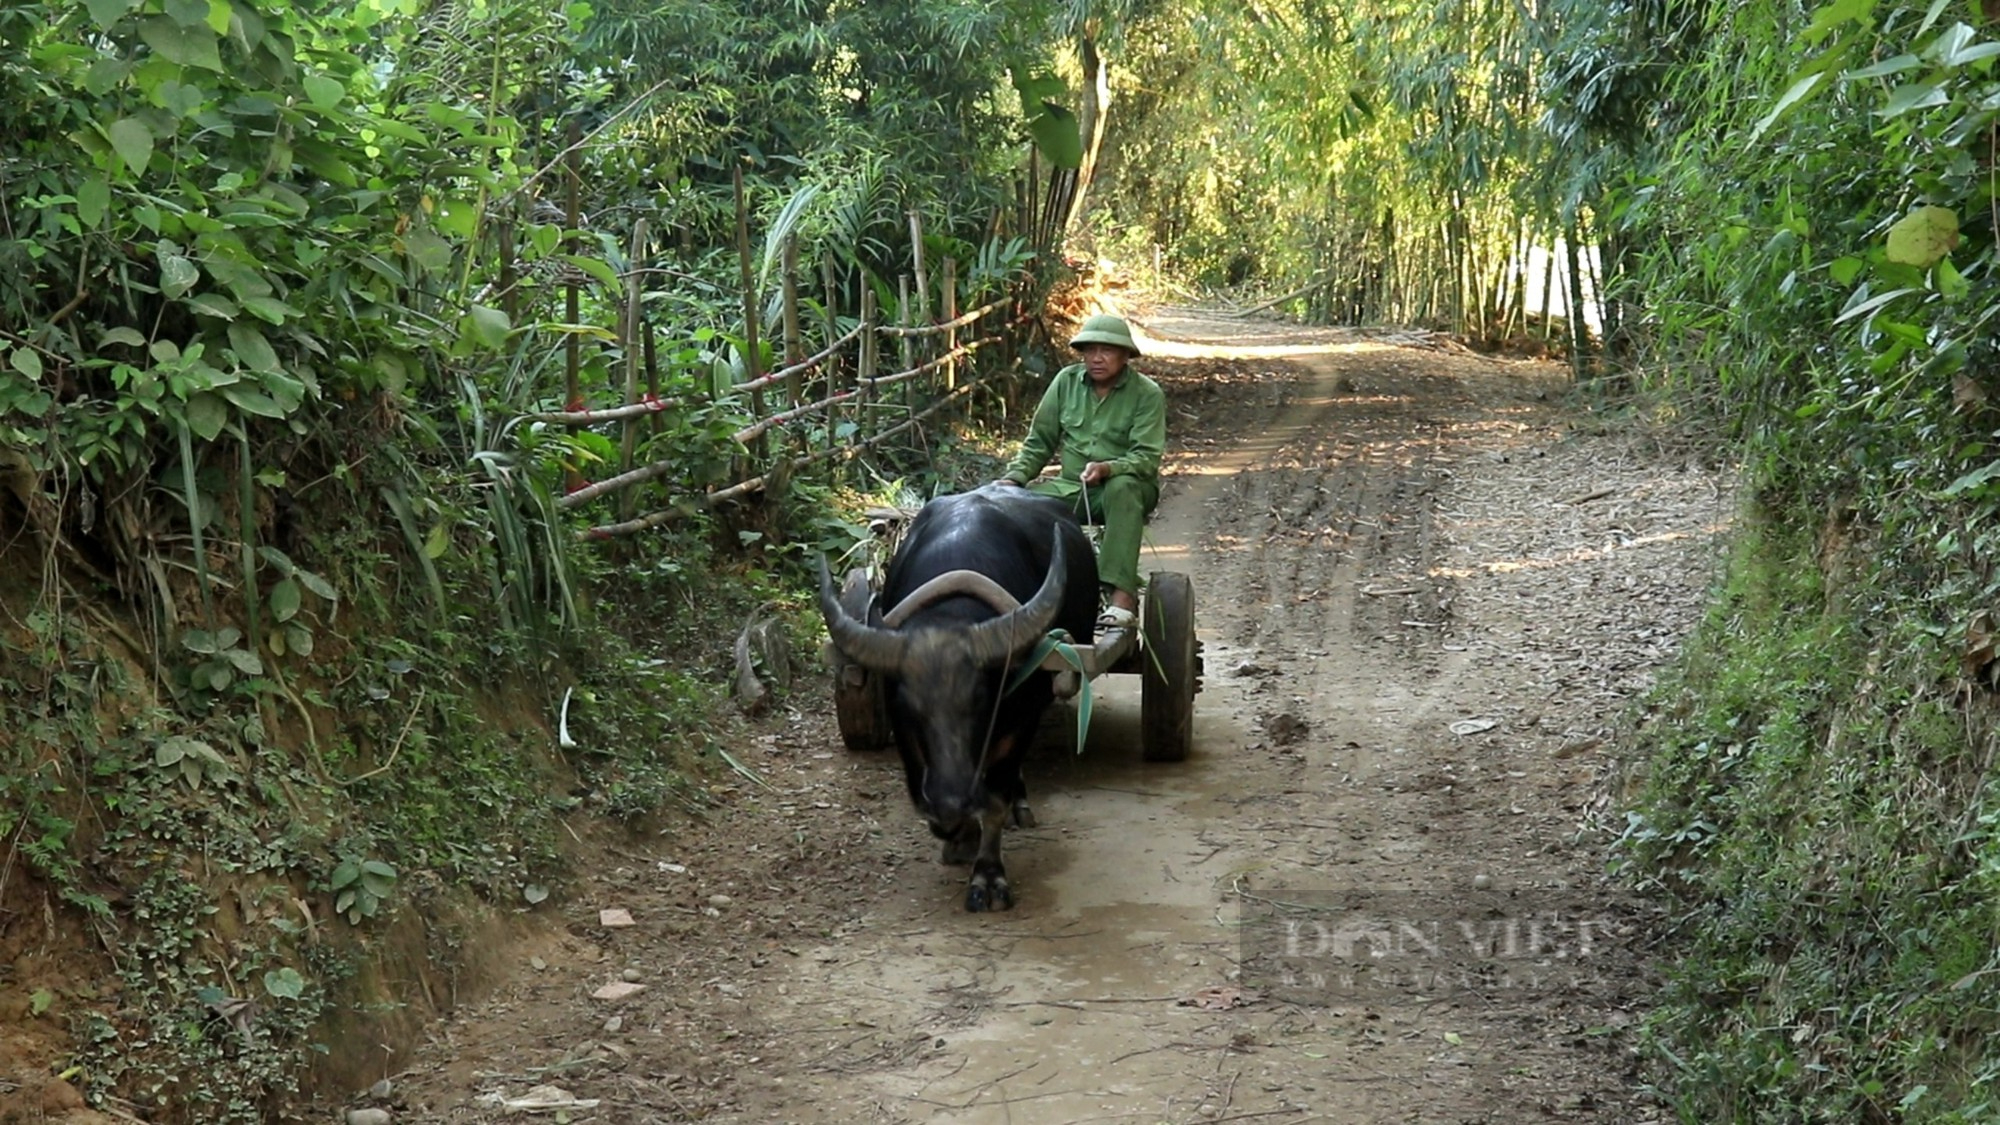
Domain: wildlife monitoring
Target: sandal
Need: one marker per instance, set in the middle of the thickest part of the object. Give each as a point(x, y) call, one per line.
point(1116, 617)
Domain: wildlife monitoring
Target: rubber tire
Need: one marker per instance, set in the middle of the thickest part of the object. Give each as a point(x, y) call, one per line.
point(1168, 669)
point(862, 710)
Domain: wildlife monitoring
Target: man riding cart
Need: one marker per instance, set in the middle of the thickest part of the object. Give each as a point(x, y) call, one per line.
point(1110, 423)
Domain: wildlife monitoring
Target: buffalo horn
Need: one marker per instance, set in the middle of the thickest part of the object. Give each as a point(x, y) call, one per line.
point(878, 650)
point(996, 641)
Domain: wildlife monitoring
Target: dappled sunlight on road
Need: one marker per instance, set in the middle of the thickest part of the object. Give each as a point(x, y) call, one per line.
point(1183, 349)
point(1581, 554)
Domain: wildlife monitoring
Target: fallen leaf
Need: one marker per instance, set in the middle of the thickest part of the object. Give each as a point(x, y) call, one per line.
point(1215, 998)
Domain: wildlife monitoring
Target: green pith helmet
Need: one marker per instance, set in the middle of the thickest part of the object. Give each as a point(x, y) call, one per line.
point(1105, 329)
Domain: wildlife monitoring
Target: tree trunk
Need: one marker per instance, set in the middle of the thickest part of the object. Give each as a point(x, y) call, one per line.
point(1579, 332)
point(1090, 122)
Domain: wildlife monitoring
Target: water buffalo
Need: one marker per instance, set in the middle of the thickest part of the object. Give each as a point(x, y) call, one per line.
point(946, 653)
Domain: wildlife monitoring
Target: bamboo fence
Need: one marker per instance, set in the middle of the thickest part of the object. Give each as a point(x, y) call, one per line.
point(941, 360)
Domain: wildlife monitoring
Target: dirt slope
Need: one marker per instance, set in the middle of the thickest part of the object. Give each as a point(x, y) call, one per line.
point(1426, 600)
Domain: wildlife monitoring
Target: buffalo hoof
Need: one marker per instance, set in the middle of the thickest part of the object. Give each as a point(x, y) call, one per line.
point(988, 892)
point(1024, 817)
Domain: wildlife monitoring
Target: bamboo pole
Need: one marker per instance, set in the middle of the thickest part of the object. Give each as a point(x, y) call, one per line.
point(1578, 334)
point(752, 365)
point(794, 351)
point(510, 281)
point(630, 338)
point(832, 317)
point(917, 266)
point(906, 343)
point(865, 364)
point(572, 356)
point(950, 311)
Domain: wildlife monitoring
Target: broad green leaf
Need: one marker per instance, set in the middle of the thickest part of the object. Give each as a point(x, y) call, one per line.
point(1830, 17)
point(284, 390)
point(1056, 135)
point(252, 401)
point(1868, 305)
point(246, 662)
point(93, 199)
point(1913, 95)
point(1974, 479)
point(207, 414)
point(121, 335)
point(169, 752)
point(107, 12)
point(427, 250)
point(377, 867)
point(1798, 92)
point(1923, 237)
point(268, 309)
point(457, 217)
point(324, 92)
point(215, 305)
point(1958, 45)
point(318, 585)
point(40, 1001)
point(1950, 283)
point(133, 142)
point(299, 640)
point(179, 98)
point(242, 280)
point(188, 46)
point(252, 349)
point(437, 542)
point(177, 273)
point(1039, 88)
point(24, 360)
point(403, 131)
point(1896, 64)
point(222, 16)
point(1844, 270)
point(325, 163)
point(107, 74)
point(285, 983)
point(285, 600)
point(1978, 52)
point(188, 13)
point(485, 326)
point(348, 872)
point(596, 267)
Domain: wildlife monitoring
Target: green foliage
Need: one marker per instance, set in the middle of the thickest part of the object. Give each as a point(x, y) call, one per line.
point(1821, 808)
point(1801, 220)
point(296, 597)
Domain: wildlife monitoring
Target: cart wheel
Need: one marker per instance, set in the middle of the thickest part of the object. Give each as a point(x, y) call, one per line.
point(858, 702)
point(1169, 668)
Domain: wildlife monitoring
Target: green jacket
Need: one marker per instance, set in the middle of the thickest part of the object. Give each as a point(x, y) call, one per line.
point(1126, 428)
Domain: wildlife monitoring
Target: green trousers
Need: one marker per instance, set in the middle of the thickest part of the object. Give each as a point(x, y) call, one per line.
point(1121, 504)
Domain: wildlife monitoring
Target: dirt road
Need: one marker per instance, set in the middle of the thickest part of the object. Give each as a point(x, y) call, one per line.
point(1427, 599)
